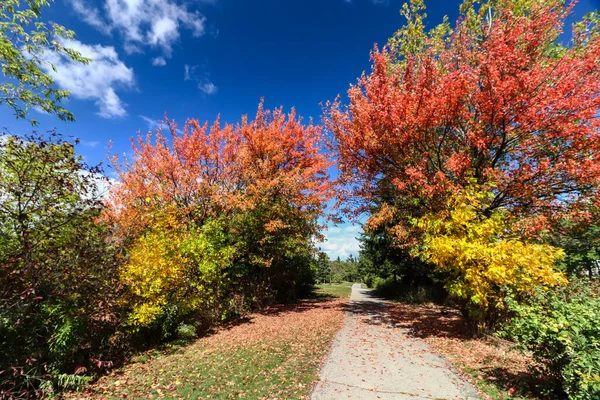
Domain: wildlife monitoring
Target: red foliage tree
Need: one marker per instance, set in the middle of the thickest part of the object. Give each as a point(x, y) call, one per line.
point(494, 100)
point(212, 172)
point(239, 206)
point(272, 167)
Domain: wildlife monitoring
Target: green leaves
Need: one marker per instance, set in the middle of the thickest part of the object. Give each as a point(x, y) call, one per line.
point(57, 266)
point(580, 239)
point(561, 328)
point(23, 43)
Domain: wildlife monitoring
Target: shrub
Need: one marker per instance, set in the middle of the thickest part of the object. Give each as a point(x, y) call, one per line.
point(176, 273)
point(369, 280)
point(561, 327)
point(58, 269)
point(482, 258)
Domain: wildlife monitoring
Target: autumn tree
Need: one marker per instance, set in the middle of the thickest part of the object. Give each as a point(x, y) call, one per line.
point(494, 104)
point(495, 99)
point(480, 258)
point(228, 214)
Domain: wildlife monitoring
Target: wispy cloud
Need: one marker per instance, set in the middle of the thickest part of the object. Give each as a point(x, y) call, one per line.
point(159, 62)
point(152, 123)
point(97, 81)
point(207, 87)
point(154, 23)
point(203, 82)
point(187, 72)
point(91, 15)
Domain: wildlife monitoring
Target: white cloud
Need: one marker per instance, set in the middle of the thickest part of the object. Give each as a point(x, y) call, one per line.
point(87, 143)
point(111, 105)
point(163, 32)
point(207, 87)
point(97, 80)
point(187, 71)
point(90, 15)
point(155, 23)
point(341, 241)
point(40, 110)
point(159, 62)
point(202, 80)
point(152, 123)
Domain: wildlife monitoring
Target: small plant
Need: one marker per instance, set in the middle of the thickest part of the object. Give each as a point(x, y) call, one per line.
point(369, 281)
point(186, 332)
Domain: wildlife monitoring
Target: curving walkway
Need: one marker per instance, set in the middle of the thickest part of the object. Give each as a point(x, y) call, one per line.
point(372, 359)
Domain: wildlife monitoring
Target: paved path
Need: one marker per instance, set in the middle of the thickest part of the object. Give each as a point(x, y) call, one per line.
point(372, 359)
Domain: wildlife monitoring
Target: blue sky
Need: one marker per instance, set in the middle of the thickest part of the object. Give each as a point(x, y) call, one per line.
point(201, 58)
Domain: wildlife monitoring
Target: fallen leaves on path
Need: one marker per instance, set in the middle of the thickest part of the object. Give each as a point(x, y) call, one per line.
point(488, 360)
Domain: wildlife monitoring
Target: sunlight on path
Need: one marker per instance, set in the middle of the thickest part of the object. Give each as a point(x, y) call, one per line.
point(372, 359)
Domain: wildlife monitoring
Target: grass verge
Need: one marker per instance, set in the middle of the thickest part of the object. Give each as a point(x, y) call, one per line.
point(273, 354)
point(339, 290)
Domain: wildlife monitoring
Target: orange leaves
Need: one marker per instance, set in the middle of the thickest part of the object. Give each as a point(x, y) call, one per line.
point(282, 158)
point(184, 173)
point(206, 172)
point(242, 202)
point(496, 101)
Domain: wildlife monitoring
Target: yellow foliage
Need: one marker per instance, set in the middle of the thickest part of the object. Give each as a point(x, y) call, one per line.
point(156, 269)
point(481, 255)
point(172, 264)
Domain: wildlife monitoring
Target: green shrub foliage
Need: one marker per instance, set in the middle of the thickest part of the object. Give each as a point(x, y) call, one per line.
point(58, 289)
point(561, 328)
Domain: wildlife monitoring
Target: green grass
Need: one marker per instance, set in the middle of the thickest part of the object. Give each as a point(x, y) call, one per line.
point(257, 371)
point(274, 355)
point(341, 290)
point(492, 389)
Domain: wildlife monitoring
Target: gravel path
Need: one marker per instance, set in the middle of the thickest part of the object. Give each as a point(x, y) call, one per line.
point(372, 359)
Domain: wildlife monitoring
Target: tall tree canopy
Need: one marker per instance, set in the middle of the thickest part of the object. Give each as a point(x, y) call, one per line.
point(221, 209)
point(471, 144)
point(496, 99)
point(209, 172)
